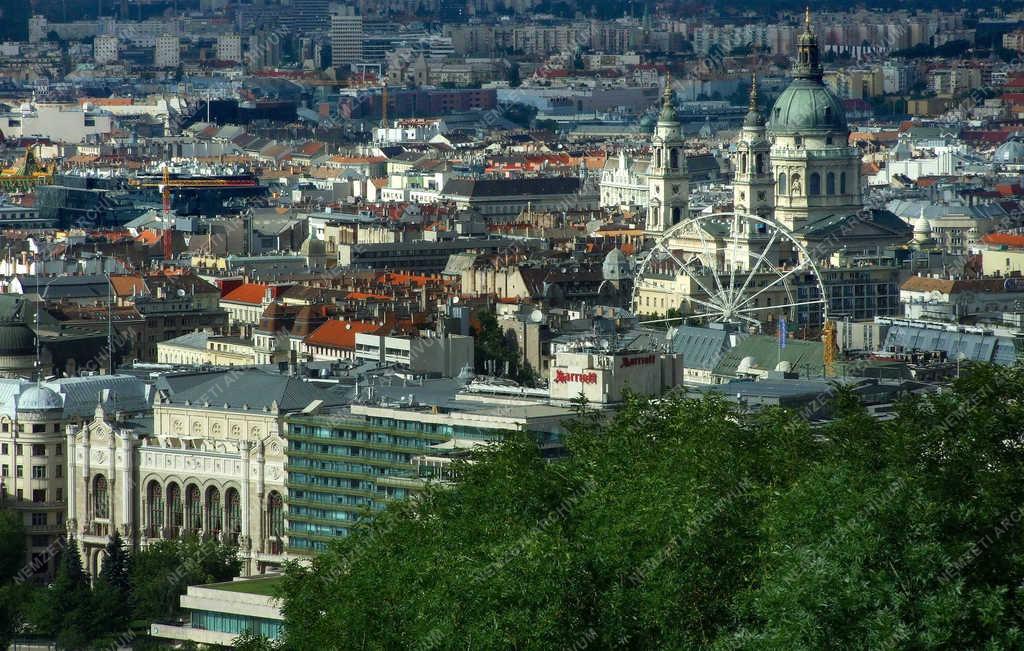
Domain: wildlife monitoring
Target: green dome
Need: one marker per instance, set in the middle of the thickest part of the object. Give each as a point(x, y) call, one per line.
point(807, 107)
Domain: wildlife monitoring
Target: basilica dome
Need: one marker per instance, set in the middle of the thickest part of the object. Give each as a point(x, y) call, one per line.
point(807, 107)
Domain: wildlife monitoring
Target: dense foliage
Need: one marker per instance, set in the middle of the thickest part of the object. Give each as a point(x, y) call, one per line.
point(494, 353)
point(686, 523)
point(131, 591)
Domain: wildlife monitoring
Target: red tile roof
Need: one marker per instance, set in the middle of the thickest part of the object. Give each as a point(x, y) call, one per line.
point(1004, 239)
point(339, 334)
point(251, 293)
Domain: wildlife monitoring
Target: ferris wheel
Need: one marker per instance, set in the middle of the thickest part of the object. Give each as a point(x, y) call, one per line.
point(730, 267)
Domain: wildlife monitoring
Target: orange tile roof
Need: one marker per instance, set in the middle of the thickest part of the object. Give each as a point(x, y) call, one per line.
point(148, 237)
point(252, 293)
point(128, 285)
point(339, 334)
point(366, 296)
point(1004, 239)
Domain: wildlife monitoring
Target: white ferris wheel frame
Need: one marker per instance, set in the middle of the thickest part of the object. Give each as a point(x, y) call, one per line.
point(732, 304)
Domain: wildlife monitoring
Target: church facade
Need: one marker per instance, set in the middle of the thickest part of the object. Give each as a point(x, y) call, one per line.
point(795, 170)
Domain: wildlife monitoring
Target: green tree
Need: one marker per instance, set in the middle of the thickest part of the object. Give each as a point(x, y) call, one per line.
point(112, 589)
point(64, 608)
point(682, 523)
point(492, 350)
point(12, 564)
point(162, 572)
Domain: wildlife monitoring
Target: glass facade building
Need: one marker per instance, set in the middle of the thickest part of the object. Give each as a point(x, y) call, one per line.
point(343, 469)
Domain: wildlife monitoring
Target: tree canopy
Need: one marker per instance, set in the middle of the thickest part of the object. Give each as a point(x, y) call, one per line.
point(690, 523)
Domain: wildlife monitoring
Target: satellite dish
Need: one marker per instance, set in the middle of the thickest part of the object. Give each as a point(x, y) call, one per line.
point(536, 316)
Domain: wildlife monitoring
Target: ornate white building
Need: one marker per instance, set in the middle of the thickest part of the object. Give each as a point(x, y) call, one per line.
point(213, 467)
point(667, 180)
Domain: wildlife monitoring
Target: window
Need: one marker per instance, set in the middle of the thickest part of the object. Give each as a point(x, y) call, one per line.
point(19, 471)
point(100, 497)
point(38, 428)
point(60, 494)
point(3, 447)
point(842, 183)
point(38, 472)
point(60, 471)
point(814, 184)
point(674, 158)
point(830, 183)
point(39, 495)
point(38, 450)
point(782, 184)
point(19, 450)
point(38, 519)
point(193, 508)
point(275, 514)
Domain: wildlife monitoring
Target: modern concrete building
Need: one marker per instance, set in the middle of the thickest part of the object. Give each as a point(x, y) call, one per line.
point(220, 612)
point(346, 36)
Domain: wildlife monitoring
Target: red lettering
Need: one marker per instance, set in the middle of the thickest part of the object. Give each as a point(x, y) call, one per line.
point(561, 377)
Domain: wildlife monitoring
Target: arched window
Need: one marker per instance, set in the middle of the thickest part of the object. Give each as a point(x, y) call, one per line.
point(828, 113)
point(234, 515)
point(759, 162)
point(214, 511)
point(193, 508)
point(657, 156)
point(814, 184)
point(275, 514)
point(100, 497)
point(674, 158)
point(842, 183)
point(830, 183)
point(782, 184)
point(795, 186)
point(743, 163)
point(677, 214)
point(155, 500)
point(175, 508)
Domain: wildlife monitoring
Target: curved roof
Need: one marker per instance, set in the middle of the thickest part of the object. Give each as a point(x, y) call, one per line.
point(805, 107)
point(39, 398)
point(16, 338)
point(1011, 151)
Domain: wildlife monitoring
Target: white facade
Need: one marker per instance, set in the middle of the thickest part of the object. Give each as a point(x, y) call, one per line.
point(346, 36)
point(105, 49)
point(602, 378)
point(68, 123)
point(167, 52)
point(229, 48)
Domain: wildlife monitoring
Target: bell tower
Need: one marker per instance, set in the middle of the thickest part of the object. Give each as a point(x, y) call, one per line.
point(753, 187)
point(667, 179)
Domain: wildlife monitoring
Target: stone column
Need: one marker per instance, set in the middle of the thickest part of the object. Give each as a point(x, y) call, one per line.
point(128, 489)
point(261, 495)
point(244, 450)
point(71, 451)
point(86, 460)
point(112, 482)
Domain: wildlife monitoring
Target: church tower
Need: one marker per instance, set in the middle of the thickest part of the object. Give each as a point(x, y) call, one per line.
point(817, 173)
point(667, 179)
point(753, 192)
